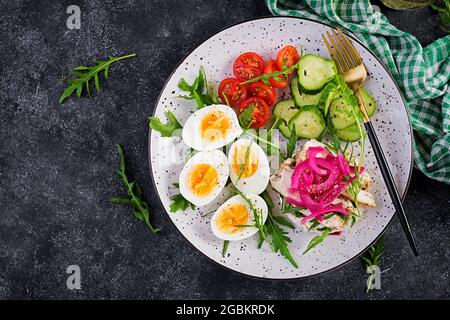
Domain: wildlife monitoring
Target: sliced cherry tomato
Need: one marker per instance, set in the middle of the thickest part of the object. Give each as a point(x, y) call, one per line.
point(281, 81)
point(248, 65)
point(260, 90)
point(261, 112)
point(290, 57)
point(232, 90)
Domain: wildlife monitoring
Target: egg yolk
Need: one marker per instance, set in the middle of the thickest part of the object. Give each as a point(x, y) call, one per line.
point(232, 216)
point(245, 162)
point(203, 179)
point(214, 126)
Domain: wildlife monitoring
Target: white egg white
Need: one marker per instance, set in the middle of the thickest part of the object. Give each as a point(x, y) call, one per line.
point(216, 159)
point(258, 203)
point(192, 134)
point(259, 180)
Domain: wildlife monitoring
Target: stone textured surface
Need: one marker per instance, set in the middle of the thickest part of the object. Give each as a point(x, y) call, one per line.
point(57, 164)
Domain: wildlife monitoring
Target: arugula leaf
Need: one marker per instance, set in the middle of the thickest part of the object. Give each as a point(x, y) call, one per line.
point(198, 91)
point(274, 125)
point(261, 238)
point(266, 82)
point(214, 97)
point(140, 207)
point(372, 257)
point(179, 202)
point(279, 239)
point(256, 213)
point(265, 141)
point(242, 166)
point(268, 199)
point(81, 76)
point(277, 75)
point(318, 239)
point(201, 84)
point(184, 86)
point(246, 117)
point(225, 247)
point(224, 96)
point(314, 224)
point(166, 129)
point(282, 221)
point(291, 209)
point(292, 142)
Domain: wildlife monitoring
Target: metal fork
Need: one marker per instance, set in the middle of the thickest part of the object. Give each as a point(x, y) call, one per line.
point(351, 67)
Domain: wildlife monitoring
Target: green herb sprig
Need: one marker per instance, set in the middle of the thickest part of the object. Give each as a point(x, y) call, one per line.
point(134, 191)
point(372, 257)
point(247, 155)
point(318, 239)
point(199, 90)
point(246, 117)
point(277, 75)
point(256, 213)
point(179, 202)
point(355, 186)
point(257, 137)
point(279, 240)
point(347, 93)
point(292, 142)
point(82, 75)
point(225, 248)
point(166, 129)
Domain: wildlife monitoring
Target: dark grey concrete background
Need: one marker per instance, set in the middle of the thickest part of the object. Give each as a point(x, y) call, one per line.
point(57, 164)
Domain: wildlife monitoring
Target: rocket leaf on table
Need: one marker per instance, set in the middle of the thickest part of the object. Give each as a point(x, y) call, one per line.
point(134, 192)
point(82, 75)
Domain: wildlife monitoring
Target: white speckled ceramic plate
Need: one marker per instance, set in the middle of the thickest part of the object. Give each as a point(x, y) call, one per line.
point(266, 36)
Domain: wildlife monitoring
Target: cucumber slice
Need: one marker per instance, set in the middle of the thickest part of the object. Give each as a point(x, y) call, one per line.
point(326, 96)
point(349, 134)
point(302, 99)
point(314, 73)
point(368, 101)
point(284, 129)
point(341, 113)
point(285, 109)
point(308, 122)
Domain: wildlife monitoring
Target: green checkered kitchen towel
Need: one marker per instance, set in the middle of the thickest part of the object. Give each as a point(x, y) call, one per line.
point(422, 73)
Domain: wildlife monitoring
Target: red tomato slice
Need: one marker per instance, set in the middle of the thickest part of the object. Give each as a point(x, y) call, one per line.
point(281, 81)
point(288, 54)
point(248, 66)
point(260, 90)
point(230, 89)
point(261, 113)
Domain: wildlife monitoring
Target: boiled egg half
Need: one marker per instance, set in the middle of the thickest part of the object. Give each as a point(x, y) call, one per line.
point(203, 177)
point(211, 127)
point(235, 219)
point(249, 167)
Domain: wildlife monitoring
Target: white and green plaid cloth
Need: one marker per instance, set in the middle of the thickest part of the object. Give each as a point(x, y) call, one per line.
point(422, 73)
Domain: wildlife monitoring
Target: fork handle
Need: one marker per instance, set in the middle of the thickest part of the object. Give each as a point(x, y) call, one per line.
point(386, 173)
point(390, 184)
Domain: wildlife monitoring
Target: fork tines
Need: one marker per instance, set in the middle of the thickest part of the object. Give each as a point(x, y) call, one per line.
point(341, 50)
